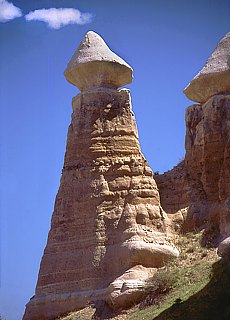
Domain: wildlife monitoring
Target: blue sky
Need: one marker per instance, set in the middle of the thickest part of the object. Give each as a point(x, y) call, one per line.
point(166, 42)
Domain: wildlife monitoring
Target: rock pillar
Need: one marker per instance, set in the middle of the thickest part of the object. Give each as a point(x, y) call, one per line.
point(107, 216)
point(200, 185)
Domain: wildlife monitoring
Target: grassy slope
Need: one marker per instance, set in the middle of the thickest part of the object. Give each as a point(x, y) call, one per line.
point(212, 302)
point(200, 291)
point(85, 314)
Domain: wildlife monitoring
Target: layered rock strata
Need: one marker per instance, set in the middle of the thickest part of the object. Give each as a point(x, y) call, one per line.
point(200, 186)
point(108, 228)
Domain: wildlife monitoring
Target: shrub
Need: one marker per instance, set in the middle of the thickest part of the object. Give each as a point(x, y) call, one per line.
point(157, 287)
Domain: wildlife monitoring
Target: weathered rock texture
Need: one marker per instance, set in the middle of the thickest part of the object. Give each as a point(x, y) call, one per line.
point(107, 217)
point(197, 191)
point(224, 248)
point(130, 287)
point(94, 64)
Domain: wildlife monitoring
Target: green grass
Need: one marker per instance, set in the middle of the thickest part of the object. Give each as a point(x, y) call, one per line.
point(84, 314)
point(208, 303)
point(188, 281)
point(201, 289)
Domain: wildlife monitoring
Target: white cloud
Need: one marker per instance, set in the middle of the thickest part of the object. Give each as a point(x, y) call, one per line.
point(57, 18)
point(8, 11)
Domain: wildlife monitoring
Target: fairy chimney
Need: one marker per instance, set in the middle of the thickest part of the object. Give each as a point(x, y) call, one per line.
point(107, 217)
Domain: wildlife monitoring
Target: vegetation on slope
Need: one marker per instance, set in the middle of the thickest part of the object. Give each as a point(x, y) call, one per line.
point(195, 287)
point(196, 279)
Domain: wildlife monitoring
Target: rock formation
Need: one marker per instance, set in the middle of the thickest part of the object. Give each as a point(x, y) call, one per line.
point(197, 192)
point(108, 231)
point(95, 65)
point(214, 78)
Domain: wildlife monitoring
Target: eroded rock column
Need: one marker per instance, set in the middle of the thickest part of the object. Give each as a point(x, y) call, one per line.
point(208, 138)
point(200, 185)
point(107, 217)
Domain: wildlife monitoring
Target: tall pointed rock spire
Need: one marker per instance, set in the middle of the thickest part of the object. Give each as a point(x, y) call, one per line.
point(107, 221)
point(214, 78)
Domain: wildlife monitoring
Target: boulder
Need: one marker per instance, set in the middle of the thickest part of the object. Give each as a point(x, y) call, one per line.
point(224, 249)
point(129, 288)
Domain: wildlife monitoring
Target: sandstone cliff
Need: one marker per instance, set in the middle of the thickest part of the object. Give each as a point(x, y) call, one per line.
point(108, 231)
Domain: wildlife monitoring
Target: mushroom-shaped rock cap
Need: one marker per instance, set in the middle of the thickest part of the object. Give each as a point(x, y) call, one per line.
point(214, 78)
point(95, 65)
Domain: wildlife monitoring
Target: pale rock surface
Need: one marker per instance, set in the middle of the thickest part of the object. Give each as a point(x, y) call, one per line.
point(214, 78)
point(200, 185)
point(129, 287)
point(94, 64)
point(107, 217)
point(224, 248)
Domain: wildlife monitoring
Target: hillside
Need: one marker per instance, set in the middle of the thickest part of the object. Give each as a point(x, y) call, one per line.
point(200, 289)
